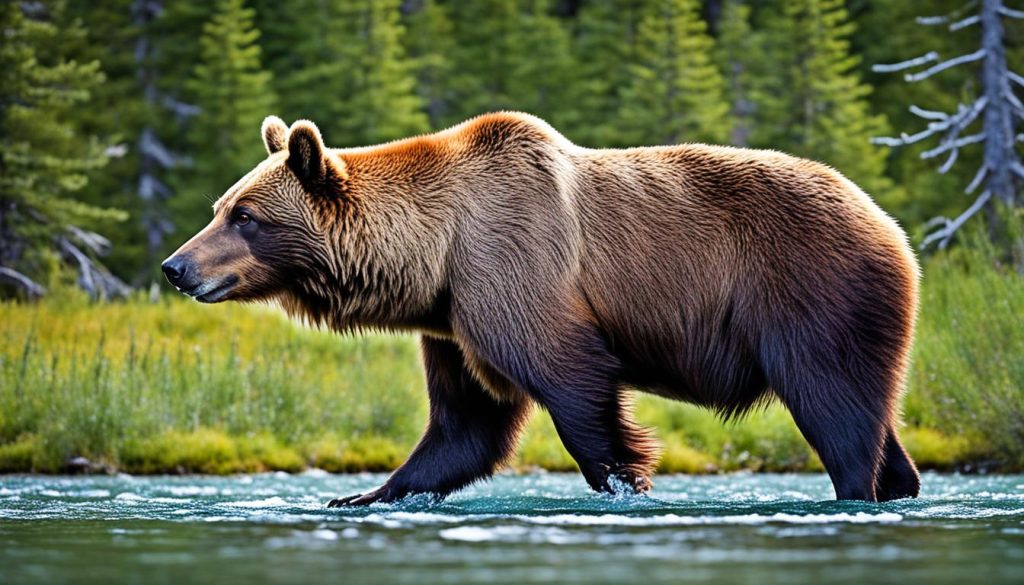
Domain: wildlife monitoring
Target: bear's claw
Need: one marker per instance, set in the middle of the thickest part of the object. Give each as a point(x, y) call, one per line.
point(381, 494)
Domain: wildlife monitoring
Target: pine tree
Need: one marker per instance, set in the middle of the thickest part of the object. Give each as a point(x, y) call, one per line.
point(43, 158)
point(233, 95)
point(355, 80)
point(603, 50)
point(737, 52)
point(147, 50)
point(513, 55)
point(430, 43)
point(676, 92)
point(811, 101)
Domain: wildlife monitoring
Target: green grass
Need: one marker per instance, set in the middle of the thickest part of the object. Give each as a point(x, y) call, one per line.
point(174, 386)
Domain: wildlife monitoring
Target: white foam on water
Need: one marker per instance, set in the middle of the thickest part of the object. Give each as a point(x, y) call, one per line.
point(744, 519)
point(324, 534)
point(425, 517)
point(314, 472)
point(134, 499)
point(129, 497)
point(92, 494)
point(350, 532)
point(483, 534)
point(274, 502)
point(193, 490)
point(512, 533)
point(963, 512)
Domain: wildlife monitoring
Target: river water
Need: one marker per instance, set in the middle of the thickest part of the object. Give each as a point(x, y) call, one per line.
point(538, 528)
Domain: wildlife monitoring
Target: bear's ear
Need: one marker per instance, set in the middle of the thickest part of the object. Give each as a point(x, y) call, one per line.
point(274, 134)
point(314, 166)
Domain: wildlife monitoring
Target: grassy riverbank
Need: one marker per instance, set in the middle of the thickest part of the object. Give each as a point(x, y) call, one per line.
point(175, 386)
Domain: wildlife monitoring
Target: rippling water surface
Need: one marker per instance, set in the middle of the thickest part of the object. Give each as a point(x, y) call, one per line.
point(515, 529)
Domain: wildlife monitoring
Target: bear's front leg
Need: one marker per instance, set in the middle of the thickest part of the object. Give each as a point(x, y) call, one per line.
point(469, 434)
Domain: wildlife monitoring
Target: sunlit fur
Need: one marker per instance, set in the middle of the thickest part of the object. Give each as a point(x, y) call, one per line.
point(542, 272)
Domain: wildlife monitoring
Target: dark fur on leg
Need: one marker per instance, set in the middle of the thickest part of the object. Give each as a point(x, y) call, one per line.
point(469, 435)
point(578, 386)
point(898, 476)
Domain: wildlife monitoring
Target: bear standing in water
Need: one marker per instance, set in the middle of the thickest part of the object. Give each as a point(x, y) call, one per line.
point(538, 271)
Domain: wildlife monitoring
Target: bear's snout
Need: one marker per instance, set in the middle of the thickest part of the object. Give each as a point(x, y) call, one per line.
point(182, 271)
point(177, 269)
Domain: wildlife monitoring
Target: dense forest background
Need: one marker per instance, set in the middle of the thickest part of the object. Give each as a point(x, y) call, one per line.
point(121, 120)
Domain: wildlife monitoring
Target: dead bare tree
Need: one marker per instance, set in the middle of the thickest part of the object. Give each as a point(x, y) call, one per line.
point(998, 108)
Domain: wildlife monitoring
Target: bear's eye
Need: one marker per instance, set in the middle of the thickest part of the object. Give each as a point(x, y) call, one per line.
point(243, 219)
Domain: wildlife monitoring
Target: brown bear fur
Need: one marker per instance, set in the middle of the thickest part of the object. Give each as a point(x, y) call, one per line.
point(542, 272)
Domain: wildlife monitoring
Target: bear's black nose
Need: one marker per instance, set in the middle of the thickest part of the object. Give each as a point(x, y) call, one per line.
point(175, 268)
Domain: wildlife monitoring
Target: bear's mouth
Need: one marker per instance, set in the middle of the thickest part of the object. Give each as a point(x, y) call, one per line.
point(212, 292)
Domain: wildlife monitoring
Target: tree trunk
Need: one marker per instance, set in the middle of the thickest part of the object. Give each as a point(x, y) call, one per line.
point(998, 123)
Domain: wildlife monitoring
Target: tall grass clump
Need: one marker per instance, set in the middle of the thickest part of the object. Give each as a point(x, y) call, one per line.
point(110, 380)
point(968, 370)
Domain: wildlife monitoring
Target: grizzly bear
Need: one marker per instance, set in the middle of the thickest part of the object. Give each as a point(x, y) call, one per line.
point(541, 272)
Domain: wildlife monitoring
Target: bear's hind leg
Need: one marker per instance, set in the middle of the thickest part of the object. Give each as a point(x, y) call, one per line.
point(898, 476)
point(838, 419)
point(469, 434)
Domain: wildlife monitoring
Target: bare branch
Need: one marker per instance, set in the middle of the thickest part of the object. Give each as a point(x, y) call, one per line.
point(11, 276)
point(1015, 103)
point(978, 178)
point(952, 144)
point(116, 150)
point(903, 140)
point(957, 122)
point(1011, 12)
point(953, 155)
point(964, 23)
point(940, 20)
point(1017, 168)
point(975, 56)
point(945, 234)
point(928, 114)
point(926, 58)
point(151, 146)
point(94, 242)
point(1016, 78)
point(92, 276)
point(181, 109)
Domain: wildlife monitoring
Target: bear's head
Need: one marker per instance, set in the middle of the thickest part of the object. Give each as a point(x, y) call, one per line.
point(269, 229)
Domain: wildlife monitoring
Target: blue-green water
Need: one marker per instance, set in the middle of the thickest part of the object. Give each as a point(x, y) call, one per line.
point(544, 528)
